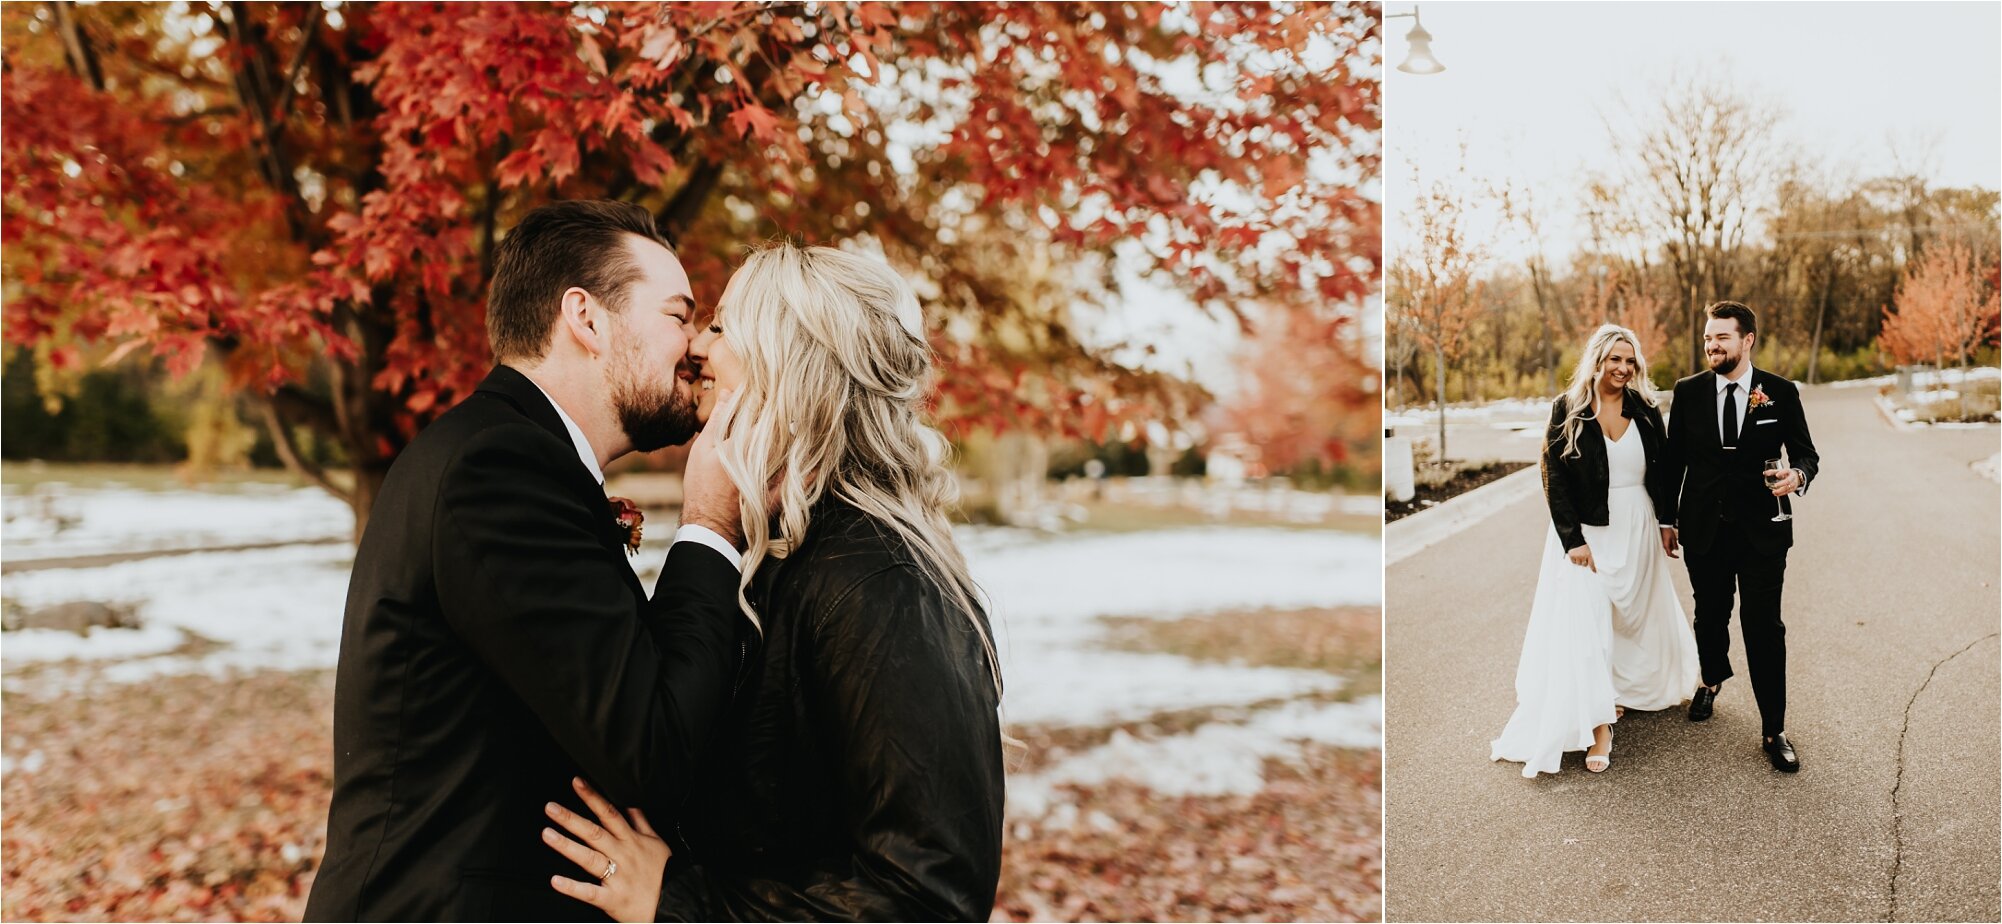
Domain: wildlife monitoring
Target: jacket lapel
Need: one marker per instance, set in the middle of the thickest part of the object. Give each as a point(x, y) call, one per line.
point(509, 385)
point(1716, 428)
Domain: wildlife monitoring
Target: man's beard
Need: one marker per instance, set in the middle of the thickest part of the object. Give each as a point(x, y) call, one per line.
point(653, 414)
point(1724, 364)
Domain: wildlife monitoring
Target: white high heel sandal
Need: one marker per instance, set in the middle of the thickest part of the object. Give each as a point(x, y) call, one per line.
point(1605, 760)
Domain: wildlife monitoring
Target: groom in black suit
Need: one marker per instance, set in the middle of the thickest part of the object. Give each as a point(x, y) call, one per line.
point(1725, 424)
point(497, 643)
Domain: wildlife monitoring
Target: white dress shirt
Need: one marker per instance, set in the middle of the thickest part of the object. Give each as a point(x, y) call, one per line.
point(1744, 382)
point(689, 532)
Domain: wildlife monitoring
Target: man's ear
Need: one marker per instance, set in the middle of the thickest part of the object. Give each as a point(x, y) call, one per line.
point(582, 318)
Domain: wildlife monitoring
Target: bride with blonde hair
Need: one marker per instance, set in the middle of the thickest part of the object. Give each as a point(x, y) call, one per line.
point(1606, 632)
point(859, 772)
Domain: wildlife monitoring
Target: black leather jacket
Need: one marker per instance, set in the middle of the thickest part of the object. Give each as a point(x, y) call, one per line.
point(859, 773)
point(1575, 486)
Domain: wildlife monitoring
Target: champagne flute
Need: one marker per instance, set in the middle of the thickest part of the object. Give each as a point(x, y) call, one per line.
point(1774, 476)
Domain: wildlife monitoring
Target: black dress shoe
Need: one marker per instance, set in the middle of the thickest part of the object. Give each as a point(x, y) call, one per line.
point(1780, 751)
point(1699, 704)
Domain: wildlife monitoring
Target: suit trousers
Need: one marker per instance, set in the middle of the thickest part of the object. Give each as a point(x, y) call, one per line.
point(1733, 567)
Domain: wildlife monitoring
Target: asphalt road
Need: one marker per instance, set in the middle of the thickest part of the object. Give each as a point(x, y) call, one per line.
point(1892, 612)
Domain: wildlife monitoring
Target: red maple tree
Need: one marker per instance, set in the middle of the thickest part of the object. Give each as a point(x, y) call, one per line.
point(311, 196)
point(1310, 394)
point(1947, 308)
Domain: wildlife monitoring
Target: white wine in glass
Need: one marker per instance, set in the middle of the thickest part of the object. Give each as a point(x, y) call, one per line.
point(1775, 475)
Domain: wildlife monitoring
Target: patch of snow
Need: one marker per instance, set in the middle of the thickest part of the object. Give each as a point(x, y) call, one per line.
point(1082, 684)
point(58, 521)
point(1216, 759)
point(57, 645)
point(1990, 468)
point(1924, 378)
point(282, 608)
point(28, 764)
point(1046, 599)
point(270, 608)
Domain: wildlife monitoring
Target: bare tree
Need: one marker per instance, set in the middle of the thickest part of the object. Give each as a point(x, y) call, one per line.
point(1698, 163)
point(1520, 207)
point(1433, 278)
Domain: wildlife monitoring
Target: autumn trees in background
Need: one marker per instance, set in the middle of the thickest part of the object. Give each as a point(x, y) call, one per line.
point(308, 197)
point(1434, 285)
point(1709, 203)
point(1946, 308)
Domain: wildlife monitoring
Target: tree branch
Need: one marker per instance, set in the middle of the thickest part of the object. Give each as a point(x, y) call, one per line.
point(292, 72)
point(76, 49)
point(305, 408)
point(288, 452)
point(253, 90)
point(687, 203)
point(490, 210)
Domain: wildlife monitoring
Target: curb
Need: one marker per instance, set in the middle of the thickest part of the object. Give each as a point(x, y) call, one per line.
point(1420, 531)
point(1890, 415)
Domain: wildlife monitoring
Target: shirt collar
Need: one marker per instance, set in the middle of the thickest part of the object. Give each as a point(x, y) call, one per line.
point(1744, 378)
point(577, 440)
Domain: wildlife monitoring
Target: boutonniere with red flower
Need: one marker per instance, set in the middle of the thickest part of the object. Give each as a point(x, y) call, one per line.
point(1757, 399)
point(627, 515)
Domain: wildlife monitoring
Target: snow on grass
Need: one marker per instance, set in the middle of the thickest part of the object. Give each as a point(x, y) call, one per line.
point(59, 521)
point(29, 645)
point(1502, 413)
point(1219, 758)
point(1046, 598)
point(1924, 378)
point(268, 608)
point(281, 609)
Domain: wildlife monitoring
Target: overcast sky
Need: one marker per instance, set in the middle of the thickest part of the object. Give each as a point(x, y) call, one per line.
point(1526, 84)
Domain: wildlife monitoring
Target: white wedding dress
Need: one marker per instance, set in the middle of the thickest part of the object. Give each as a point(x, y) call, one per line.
point(1596, 640)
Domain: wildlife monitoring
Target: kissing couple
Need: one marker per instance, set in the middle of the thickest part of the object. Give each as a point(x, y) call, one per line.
point(1626, 492)
point(800, 722)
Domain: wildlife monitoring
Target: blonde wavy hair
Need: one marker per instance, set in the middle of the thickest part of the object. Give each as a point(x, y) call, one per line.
point(1580, 395)
point(837, 372)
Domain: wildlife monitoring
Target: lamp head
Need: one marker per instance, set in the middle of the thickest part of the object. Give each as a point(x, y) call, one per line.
point(1419, 59)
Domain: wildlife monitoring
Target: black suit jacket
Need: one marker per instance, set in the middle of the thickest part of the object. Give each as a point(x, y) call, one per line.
point(497, 643)
point(1717, 483)
point(1575, 487)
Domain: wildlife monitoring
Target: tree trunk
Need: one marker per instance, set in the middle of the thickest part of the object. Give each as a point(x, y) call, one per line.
point(1439, 362)
point(1820, 315)
point(368, 484)
point(1695, 331)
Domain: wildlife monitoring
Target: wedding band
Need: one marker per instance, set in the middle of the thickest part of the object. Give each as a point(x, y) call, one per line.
point(611, 866)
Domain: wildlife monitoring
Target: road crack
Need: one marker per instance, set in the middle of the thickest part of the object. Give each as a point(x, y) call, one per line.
point(1898, 786)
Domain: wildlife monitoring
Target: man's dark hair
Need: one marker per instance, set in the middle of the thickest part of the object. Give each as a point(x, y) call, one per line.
point(1748, 323)
point(580, 243)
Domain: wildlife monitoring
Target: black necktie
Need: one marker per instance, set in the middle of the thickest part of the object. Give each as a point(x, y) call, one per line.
point(1730, 415)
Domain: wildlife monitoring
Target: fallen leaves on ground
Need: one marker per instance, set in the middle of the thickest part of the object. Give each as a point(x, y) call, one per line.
point(178, 799)
point(198, 798)
point(1306, 848)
